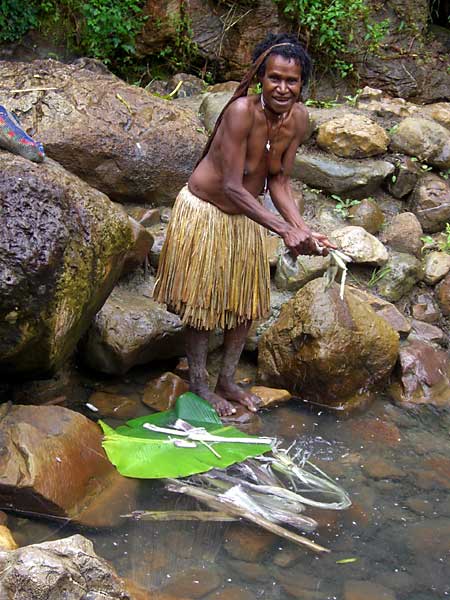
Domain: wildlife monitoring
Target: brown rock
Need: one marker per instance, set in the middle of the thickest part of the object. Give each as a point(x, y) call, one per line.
point(428, 332)
point(366, 590)
point(249, 571)
point(420, 506)
point(424, 376)
point(425, 309)
point(142, 242)
point(427, 140)
point(225, 86)
point(377, 431)
point(232, 592)
point(436, 267)
point(194, 583)
point(270, 396)
point(273, 245)
point(161, 393)
point(147, 217)
point(378, 468)
point(117, 137)
point(367, 214)
point(3, 518)
point(404, 179)
point(431, 202)
point(434, 473)
point(439, 111)
point(249, 544)
point(404, 233)
point(7, 542)
point(429, 538)
point(113, 405)
point(352, 136)
point(286, 557)
point(443, 295)
point(60, 468)
point(136, 592)
point(385, 310)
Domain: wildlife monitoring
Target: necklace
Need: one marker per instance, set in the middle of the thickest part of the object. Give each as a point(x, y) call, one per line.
point(271, 138)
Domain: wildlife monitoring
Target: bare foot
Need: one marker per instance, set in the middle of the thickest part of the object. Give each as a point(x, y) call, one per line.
point(232, 391)
point(220, 405)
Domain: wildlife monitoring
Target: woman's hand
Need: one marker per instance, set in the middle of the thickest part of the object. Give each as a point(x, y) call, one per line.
point(301, 240)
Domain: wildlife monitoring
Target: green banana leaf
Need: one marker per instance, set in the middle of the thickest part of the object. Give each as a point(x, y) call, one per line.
point(139, 452)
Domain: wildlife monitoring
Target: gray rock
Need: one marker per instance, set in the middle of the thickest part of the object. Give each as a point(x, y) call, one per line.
point(427, 140)
point(339, 175)
point(436, 265)
point(117, 137)
point(292, 275)
point(62, 249)
point(360, 245)
point(66, 568)
point(428, 333)
point(403, 272)
point(385, 310)
point(424, 308)
point(131, 329)
point(404, 180)
point(211, 107)
point(367, 214)
point(443, 295)
point(431, 202)
point(277, 299)
point(403, 234)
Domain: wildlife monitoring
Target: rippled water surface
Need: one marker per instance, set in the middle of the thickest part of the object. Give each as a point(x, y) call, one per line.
point(394, 463)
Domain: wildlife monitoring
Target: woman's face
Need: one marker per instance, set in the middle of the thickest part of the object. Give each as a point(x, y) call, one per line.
point(281, 83)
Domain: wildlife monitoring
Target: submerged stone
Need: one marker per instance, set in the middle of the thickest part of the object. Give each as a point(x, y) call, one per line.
point(162, 392)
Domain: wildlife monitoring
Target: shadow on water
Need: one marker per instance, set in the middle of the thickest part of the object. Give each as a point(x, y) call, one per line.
point(392, 543)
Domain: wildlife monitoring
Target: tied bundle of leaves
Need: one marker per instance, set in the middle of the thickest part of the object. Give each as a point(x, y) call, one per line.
point(187, 440)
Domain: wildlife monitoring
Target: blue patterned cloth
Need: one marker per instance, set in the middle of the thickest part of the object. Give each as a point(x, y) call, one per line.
point(14, 138)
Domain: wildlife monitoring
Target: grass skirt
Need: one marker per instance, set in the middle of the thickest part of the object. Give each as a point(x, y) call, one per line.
point(213, 270)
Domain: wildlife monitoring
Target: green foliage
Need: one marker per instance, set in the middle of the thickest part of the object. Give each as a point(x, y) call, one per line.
point(442, 243)
point(322, 103)
point(328, 29)
point(140, 452)
point(377, 275)
point(343, 205)
point(353, 100)
point(16, 18)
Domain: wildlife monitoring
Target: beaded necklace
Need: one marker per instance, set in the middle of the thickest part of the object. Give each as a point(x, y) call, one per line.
point(271, 137)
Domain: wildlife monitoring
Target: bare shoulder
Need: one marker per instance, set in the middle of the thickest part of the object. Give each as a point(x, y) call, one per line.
point(241, 112)
point(301, 120)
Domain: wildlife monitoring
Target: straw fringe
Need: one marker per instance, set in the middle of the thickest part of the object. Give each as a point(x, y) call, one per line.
point(213, 269)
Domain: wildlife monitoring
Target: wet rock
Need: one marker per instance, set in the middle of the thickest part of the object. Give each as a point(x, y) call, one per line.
point(378, 468)
point(244, 420)
point(232, 592)
point(293, 274)
point(420, 506)
point(366, 590)
point(425, 139)
point(352, 136)
point(142, 242)
point(428, 538)
point(136, 592)
point(338, 175)
point(59, 468)
point(443, 295)
point(145, 216)
point(161, 393)
point(403, 271)
point(324, 348)
point(247, 543)
point(436, 266)
point(425, 309)
point(403, 234)
point(286, 557)
point(367, 214)
point(158, 233)
point(270, 396)
point(3, 518)
point(7, 542)
point(131, 329)
point(190, 86)
point(117, 137)
point(377, 431)
point(433, 474)
point(62, 247)
point(424, 376)
point(277, 299)
point(405, 178)
point(431, 202)
point(360, 245)
point(211, 107)
point(249, 571)
point(113, 405)
point(428, 332)
point(385, 310)
point(67, 568)
point(193, 583)
point(301, 585)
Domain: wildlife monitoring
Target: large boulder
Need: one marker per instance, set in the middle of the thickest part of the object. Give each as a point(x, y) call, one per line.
point(62, 247)
point(352, 136)
point(131, 329)
point(339, 175)
point(326, 349)
point(119, 138)
point(66, 568)
point(52, 464)
point(424, 138)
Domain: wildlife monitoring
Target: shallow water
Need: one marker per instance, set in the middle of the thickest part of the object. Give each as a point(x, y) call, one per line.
point(394, 463)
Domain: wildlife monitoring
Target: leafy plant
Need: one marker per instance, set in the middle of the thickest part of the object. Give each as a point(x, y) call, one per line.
point(16, 18)
point(328, 28)
point(321, 103)
point(343, 205)
point(378, 274)
point(353, 100)
point(442, 243)
point(140, 449)
point(445, 174)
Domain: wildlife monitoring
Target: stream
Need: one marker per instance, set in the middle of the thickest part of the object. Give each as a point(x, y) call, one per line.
point(392, 543)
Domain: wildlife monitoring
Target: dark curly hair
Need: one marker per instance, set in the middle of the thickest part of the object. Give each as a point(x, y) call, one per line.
point(291, 50)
